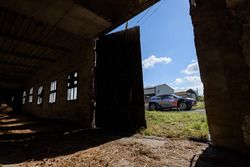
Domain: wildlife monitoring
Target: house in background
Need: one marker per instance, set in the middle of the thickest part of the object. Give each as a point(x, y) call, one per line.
point(187, 93)
point(157, 90)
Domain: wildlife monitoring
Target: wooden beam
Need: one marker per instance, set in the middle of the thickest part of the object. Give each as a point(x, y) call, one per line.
point(121, 20)
point(20, 65)
point(17, 69)
point(34, 42)
point(11, 79)
point(21, 55)
point(11, 70)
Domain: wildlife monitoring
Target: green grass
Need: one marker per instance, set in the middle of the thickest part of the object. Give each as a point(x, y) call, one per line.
point(192, 125)
point(199, 105)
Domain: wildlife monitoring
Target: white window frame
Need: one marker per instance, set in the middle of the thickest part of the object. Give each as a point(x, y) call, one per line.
point(31, 92)
point(52, 94)
point(40, 95)
point(72, 86)
point(24, 97)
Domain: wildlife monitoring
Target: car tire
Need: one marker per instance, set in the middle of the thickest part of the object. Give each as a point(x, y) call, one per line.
point(152, 107)
point(182, 106)
point(189, 108)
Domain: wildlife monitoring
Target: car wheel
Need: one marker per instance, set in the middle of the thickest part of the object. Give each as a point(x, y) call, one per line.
point(152, 107)
point(189, 108)
point(182, 106)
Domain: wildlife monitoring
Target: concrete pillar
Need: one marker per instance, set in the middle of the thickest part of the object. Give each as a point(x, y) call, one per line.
point(222, 37)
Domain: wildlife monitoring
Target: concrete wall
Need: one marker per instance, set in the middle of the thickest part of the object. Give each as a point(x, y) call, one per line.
point(149, 91)
point(80, 60)
point(222, 36)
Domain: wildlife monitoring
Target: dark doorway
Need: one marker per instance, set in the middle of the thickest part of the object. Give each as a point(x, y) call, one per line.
point(10, 100)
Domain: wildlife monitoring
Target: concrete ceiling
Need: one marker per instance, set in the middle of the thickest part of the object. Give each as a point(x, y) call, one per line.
point(36, 33)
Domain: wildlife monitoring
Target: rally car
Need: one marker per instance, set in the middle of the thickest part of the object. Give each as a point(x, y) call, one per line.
point(172, 101)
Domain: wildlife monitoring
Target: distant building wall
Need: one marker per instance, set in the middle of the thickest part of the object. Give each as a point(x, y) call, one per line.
point(156, 91)
point(163, 89)
point(183, 94)
point(188, 93)
point(149, 91)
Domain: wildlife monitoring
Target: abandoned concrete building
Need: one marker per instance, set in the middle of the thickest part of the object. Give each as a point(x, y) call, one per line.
point(56, 61)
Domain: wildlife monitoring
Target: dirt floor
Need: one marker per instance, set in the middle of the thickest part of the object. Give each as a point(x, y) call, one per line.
point(130, 152)
point(98, 148)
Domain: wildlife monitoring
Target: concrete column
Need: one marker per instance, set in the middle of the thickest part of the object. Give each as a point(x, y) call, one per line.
point(222, 38)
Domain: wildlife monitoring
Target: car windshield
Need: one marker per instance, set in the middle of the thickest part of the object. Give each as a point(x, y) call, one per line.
point(154, 98)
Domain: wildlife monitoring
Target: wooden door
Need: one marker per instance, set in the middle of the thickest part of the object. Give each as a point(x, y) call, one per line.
point(119, 82)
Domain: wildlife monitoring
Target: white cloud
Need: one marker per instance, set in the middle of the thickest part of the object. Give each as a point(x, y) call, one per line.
point(178, 81)
point(152, 60)
point(193, 79)
point(188, 82)
point(191, 69)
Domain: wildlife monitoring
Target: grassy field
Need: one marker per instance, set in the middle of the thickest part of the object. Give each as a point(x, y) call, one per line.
point(191, 125)
point(199, 105)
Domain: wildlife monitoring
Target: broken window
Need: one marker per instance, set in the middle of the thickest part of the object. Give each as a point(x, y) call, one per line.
point(24, 97)
point(40, 95)
point(31, 95)
point(52, 95)
point(72, 83)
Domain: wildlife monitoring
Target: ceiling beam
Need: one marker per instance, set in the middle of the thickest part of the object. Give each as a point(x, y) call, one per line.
point(5, 78)
point(21, 65)
point(21, 55)
point(11, 70)
point(17, 69)
point(15, 74)
point(146, 4)
point(34, 42)
point(12, 79)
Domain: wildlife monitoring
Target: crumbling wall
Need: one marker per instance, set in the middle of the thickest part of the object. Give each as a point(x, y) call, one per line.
point(222, 37)
point(80, 60)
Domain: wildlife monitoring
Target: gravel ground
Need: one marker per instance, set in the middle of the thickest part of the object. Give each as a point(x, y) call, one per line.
point(60, 145)
point(139, 151)
point(135, 151)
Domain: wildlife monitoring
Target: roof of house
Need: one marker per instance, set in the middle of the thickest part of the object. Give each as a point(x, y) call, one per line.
point(185, 90)
point(153, 87)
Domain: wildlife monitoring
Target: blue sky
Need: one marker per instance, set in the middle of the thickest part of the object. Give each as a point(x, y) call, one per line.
point(167, 44)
